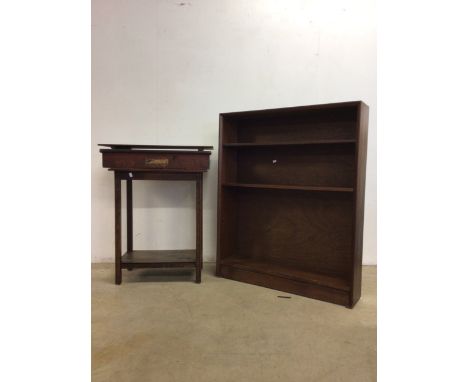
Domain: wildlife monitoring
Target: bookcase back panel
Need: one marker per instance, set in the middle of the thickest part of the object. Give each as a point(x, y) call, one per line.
point(317, 125)
point(308, 166)
point(299, 229)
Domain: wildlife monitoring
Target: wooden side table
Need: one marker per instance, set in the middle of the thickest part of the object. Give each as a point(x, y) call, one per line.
point(150, 162)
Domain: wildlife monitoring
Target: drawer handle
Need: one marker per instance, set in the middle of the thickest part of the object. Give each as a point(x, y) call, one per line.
point(159, 163)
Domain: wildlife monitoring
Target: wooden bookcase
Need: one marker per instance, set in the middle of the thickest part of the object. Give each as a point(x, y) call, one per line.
point(291, 199)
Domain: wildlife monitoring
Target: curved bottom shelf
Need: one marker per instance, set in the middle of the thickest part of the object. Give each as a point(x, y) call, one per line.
point(275, 269)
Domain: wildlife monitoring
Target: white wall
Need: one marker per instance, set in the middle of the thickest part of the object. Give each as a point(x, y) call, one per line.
point(162, 71)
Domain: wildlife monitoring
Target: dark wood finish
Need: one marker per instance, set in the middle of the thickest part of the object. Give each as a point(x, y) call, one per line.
point(184, 258)
point(291, 199)
point(293, 110)
point(154, 147)
point(283, 187)
point(129, 217)
point(285, 284)
point(163, 161)
point(310, 232)
point(199, 225)
point(293, 124)
point(118, 228)
point(156, 175)
point(130, 165)
point(279, 269)
point(360, 185)
point(293, 143)
point(328, 166)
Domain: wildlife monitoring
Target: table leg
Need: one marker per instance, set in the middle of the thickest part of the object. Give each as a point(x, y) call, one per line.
point(129, 217)
point(118, 221)
point(199, 228)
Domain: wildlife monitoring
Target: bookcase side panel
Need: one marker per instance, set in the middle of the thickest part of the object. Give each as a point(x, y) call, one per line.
point(361, 158)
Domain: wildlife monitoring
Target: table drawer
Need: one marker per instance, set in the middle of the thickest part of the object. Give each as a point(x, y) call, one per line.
point(191, 162)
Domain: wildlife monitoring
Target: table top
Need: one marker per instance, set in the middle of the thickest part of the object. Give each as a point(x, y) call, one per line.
point(119, 147)
point(159, 158)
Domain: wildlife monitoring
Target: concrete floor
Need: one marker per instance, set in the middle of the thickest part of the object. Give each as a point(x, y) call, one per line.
point(161, 326)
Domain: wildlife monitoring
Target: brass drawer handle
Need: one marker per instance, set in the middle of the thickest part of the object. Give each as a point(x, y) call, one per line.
point(159, 163)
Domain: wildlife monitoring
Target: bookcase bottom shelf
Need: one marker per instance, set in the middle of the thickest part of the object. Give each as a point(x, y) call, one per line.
point(287, 279)
point(185, 258)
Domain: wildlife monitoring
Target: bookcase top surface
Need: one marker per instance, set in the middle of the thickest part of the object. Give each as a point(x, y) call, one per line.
point(293, 109)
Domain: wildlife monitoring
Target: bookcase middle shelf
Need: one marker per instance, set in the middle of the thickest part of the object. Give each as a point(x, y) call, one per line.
point(288, 187)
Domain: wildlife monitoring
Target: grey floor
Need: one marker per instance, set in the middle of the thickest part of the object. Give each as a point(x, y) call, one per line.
point(161, 326)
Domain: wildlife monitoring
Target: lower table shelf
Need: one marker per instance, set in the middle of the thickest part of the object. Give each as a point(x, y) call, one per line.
point(184, 258)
